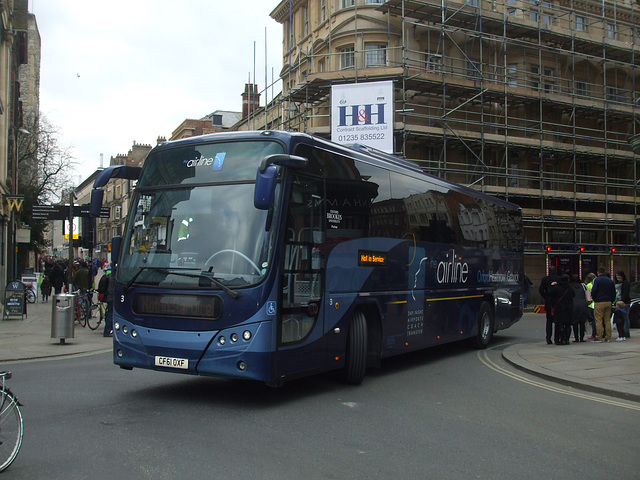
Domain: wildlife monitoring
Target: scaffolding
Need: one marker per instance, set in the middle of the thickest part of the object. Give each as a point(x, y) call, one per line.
point(533, 101)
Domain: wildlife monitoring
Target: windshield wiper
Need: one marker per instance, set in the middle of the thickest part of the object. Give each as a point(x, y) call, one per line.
point(136, 275)
point(213, 280)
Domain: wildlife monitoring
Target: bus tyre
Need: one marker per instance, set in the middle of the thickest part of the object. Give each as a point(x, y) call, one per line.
point(356, 357)
point(485, 327)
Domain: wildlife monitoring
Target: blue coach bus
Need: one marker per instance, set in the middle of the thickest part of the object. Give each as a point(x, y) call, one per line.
point(272, 255)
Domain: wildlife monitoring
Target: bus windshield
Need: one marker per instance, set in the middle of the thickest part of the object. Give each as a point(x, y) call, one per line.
point(198, 219)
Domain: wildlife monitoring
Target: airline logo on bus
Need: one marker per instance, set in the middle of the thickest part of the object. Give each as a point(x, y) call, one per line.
point(452, 271)
point(215, 163)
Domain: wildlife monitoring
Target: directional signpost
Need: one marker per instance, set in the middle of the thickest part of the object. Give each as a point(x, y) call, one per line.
point(61, 212)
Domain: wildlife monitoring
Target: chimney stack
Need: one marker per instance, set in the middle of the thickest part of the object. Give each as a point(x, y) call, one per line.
point(250, 99)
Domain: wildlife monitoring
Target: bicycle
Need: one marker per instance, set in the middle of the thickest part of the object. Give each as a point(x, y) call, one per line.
point(29, 294)
point(92, 321)
point(83, 305)
point(11, 427)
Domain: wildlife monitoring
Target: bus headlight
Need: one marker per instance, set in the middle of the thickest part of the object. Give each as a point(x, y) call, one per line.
point(222, 340)
point(234, 337)
point(246, 335)
point(241, 366)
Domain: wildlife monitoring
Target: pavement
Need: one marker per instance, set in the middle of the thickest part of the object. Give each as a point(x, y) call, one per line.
point(29, 337)
point(610, 368)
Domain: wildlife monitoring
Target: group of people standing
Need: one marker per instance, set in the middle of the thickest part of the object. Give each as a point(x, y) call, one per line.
point(570, 303)
point(59, 277)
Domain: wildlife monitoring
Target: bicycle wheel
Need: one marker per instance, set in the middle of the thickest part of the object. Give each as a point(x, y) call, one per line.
point(81, 311)
point(11, 429)
point(30, 296)
point(94, 320)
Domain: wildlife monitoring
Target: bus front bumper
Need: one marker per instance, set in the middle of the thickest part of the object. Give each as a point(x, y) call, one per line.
point(243, 351)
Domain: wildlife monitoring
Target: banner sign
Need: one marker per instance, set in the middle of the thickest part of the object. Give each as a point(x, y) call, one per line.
point(363, 113)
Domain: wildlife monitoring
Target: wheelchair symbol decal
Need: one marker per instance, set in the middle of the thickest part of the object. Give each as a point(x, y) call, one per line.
point(271, 308)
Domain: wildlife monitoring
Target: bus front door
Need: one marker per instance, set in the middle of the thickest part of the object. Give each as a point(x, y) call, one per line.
point(301, 343)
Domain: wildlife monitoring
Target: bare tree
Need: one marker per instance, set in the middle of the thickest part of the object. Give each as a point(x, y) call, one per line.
point(44, 169)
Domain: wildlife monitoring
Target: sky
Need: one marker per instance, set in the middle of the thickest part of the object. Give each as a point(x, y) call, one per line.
point(116, 72)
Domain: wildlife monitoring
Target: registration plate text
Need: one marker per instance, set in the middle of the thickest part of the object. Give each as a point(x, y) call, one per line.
point(172, 362)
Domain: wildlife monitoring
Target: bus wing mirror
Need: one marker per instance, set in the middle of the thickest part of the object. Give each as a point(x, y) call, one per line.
point(96, 202)
point(266, 177)
point(116, 243)
point(284, 160)
point(265, 188)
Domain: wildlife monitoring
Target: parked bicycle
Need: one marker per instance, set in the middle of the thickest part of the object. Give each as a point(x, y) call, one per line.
point(11, 427)
point(82, 306)
point(30, 294)
point(97, 315)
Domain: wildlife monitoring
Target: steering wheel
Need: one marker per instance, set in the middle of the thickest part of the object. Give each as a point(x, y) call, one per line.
point(209, 261)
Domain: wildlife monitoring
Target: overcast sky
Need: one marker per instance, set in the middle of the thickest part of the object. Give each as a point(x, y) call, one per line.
point(121, 71)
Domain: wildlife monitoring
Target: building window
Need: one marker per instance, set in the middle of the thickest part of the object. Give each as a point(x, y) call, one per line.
point(615, 95)
point(549, 84)
point(322, 66)
point(474, 70)
point(544, 18)
point(473, 3)
point(305, 14)
point(347, 3)
point(512, 74)
point(514, 174)
point(376, 55)
point(535, 77)
point(323, 10)
point(581, 23)
point(347, 58)
point(612, 33)
point(374, 1)
point(582, 89)
point(116, 212)
point(433, 62)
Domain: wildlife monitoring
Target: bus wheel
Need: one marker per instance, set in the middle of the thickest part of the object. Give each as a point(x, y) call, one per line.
point(356, 356)
point(485, 327)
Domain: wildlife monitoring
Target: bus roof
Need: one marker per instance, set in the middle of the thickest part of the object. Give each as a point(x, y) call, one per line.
point(359, 151)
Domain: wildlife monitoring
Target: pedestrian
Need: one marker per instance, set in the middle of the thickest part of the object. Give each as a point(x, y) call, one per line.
point(545, 284)
point(560, 298)
point(81, 277)
point(623, 300)
point(57, 278)
point(45, 288)
point(588, 281)
point(603, 293)
point(527, 288)
point(108, 321)
point(580, 308)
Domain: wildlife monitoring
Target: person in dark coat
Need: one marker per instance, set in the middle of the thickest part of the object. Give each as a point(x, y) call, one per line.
point(560, 298)
point(545, 284)
point(57, 278)
point(45, 288)
point(580, 308)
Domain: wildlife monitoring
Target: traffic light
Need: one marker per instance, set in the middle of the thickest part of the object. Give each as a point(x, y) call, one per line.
point(581, 249)
point(613, 249)
point(548, 248)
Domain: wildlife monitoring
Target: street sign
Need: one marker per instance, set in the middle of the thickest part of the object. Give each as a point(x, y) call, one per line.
point(49, 212)
point(61, 212)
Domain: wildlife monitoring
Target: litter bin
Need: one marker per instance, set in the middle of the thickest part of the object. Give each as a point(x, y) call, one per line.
point(63, 316)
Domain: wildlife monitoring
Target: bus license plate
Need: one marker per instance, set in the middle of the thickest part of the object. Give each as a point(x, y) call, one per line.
point(172, 362)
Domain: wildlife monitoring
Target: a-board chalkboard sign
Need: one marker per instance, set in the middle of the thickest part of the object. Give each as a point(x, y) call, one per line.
point(14, 299)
